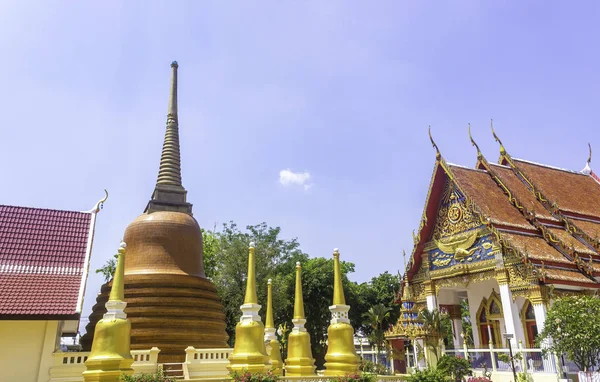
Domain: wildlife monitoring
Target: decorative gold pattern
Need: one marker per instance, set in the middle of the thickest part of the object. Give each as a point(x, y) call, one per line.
point(454, 216)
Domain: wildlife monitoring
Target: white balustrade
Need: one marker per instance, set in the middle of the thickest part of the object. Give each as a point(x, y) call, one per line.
point(206, 363)
point(69, 366)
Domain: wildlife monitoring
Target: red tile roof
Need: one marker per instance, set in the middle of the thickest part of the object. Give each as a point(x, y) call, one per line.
point(574, 192)
point(42, 261)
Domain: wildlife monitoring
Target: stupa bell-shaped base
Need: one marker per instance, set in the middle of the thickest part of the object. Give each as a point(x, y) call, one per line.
point(341, 358)
point(110, 356)
point(170, 304)
point(275, 358)
point(300, 361)
point(249, 352)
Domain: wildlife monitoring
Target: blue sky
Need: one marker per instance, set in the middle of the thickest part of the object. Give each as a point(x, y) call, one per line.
point(341, 90)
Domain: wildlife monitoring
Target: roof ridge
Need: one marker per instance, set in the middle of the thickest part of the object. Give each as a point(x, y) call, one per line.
point(465, 167)
point(43, 209)
point(548, 166)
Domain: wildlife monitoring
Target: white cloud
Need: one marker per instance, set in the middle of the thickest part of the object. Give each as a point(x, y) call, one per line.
point(289, 178)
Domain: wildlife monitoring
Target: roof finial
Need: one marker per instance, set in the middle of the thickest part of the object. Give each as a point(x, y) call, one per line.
point(502, 150)
point(404, 257)
point(438, 155)
point(169, 194)
point(479, 155)
point(588, 169)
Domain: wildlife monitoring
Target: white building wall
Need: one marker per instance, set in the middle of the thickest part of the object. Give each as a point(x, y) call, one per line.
point(26, 350)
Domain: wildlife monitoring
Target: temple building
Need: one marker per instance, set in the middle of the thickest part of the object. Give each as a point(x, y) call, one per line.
point(509, 238)
point(44, 264)
point(170, 303)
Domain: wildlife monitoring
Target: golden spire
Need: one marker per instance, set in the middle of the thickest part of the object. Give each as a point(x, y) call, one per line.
point(298, 302)
point(250, 297)
point(269, 324)
point(502, 149)
point(117, 290)
point(438, 155)
point(479, 154)
point(338, 289)
point(169, 194)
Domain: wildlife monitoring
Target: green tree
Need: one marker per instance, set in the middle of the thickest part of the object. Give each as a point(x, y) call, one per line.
point(108, 270)
point(572, 328)
point(375, 317)
point(438, 327)
point(226, 264)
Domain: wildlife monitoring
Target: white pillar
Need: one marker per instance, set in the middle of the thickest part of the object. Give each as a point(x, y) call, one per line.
point(431, 302)
point(458, 339)
point(512, 321)
point(540, 317)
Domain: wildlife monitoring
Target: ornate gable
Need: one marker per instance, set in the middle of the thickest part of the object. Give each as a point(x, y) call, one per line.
point(459, 237)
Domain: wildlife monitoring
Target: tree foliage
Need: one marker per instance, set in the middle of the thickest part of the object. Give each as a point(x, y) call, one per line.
point(108, 270)
point(572, 328)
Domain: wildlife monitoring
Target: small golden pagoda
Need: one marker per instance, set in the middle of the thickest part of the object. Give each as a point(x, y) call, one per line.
point(249, 352)
point(341, 358)
point(271, 343)
point(110, 356)
point(172, 305)
point(300, 361)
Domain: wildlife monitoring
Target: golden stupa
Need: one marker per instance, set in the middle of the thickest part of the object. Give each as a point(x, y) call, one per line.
point(110, 356)
point(271, 343)
point(300, 361)
point(341, 358)
point(249, 352)
point(171, 303)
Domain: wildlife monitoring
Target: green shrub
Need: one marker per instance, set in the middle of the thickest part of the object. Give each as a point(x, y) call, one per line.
point(427, 375)
point(456, 367)
point(156, 377)
point(358, 377)
point(246, 376)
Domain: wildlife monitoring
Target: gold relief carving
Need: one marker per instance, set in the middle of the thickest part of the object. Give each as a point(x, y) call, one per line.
point(464, 281)
point(519, 278)
point(463, 269)
point(429, 288)
point(501, 276)
point(419, 292)
point(454, 216)
point(458, 244)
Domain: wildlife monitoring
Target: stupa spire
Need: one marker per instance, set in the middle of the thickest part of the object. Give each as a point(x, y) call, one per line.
point(298, 300)
point(269, 323)
point(271, 343)
point(169, 193)
point(250, 297)
point(338, 289)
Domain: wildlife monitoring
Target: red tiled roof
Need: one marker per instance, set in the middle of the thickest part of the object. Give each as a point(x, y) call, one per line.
point(42, 260)
point(520, 191)
point(481, 188)
point(574, 192)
